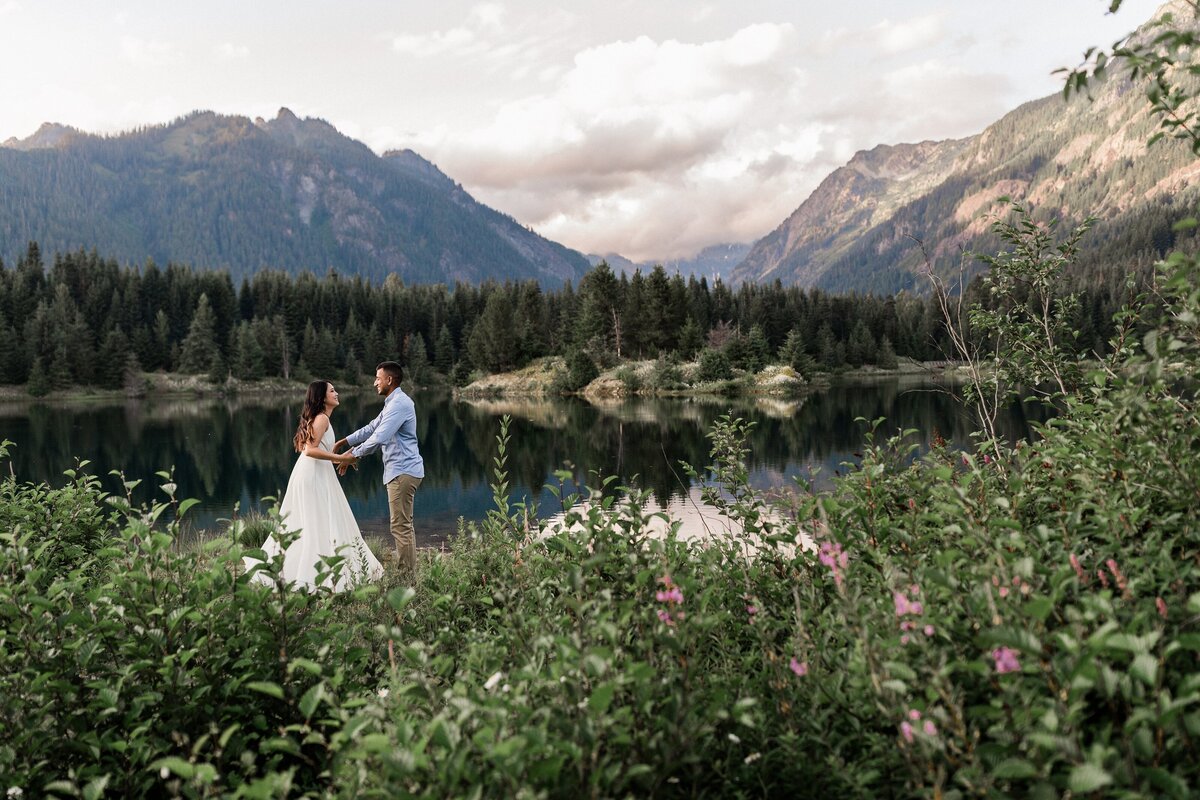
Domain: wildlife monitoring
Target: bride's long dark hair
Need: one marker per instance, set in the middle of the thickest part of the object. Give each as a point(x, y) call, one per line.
point(314, 403)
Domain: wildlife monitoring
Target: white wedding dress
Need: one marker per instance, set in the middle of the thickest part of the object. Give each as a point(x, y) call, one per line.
point(315, 506)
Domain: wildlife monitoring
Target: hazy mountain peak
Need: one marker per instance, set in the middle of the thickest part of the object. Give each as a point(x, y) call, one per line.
point(48, 135)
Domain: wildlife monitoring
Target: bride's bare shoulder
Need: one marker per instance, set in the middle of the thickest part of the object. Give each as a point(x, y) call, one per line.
point(320, 424)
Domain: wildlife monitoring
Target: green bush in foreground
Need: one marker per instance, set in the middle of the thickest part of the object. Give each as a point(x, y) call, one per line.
point(1017, 624)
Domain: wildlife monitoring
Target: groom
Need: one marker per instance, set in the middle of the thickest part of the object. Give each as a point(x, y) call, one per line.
point(395, 432)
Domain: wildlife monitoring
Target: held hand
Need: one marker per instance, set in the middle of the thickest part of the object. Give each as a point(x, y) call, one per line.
point(338, 445)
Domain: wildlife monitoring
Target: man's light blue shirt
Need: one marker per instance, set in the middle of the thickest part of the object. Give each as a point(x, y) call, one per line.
point(394, 432)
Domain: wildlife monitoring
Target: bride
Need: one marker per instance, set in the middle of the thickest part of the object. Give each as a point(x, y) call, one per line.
point(315, 506)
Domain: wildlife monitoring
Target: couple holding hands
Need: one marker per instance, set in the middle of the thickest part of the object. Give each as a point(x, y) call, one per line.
point(314, 504)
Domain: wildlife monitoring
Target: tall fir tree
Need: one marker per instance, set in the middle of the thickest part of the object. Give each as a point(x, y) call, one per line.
point(199, 348)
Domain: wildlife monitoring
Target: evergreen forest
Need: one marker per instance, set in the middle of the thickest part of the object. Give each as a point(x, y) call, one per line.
point(86, 320)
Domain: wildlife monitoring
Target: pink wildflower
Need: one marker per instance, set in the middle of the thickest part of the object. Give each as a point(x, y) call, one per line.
point(1103, 578)
point(672, 595)
point(832, 556)
point(929, 630)
point(1116, 573)
point(904, 639)
point(913, 714)
point(751, 610)
point(906, 730)
point(1006, 660)
point(798, 667)
point(1161, 605)
point(665, 616)
point(929, 728)
point(1004, 591)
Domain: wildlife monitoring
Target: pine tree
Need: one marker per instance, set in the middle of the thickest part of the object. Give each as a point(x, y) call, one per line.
point(61, 376)
point(199, 348)
point(418, 361)
point(758, 351)
point(886, 356)
point(247, 354)
point(793, 353)
point(39, 379)
point(114, 353)
point(8, 352)
point(443, 351)
point(691, 338)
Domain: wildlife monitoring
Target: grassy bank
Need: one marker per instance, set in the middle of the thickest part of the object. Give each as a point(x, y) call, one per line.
point(548, 376)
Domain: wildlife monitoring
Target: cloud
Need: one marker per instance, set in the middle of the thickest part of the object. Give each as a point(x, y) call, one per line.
point(645, 147)
point(913, 34)
point(143, 52)
point(9, 7)
point(482, 21)
point(657, 148)
point(228, 51)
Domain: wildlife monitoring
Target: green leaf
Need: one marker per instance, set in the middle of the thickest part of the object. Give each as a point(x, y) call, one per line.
point(1144, 668)
point(1087, 778)
point(95, 789)
point(311, 699)
point(176, 765)
point(602, 697)
point(1171, 784)
point(1011, 768)
point(185, 505)
point(400, 597)
point(266, 687)
point(1039, 608)
point(546, 771)
point(1193, 603)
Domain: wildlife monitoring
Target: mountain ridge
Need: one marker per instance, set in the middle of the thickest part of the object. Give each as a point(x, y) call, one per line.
point(871, 224)
point(225, 191)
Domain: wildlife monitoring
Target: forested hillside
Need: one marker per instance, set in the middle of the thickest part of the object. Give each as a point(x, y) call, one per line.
point(227, 192)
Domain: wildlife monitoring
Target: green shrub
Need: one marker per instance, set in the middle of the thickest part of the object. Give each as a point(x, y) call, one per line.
point(629, 379)
point(581, 371)
point(68, 526)
point(714, 366)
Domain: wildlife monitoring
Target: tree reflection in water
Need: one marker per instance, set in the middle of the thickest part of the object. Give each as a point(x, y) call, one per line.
point(239, 451)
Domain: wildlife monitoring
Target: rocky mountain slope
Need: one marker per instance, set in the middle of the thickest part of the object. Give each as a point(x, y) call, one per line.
point(859, 230)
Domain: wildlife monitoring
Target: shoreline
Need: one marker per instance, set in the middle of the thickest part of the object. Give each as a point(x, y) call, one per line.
point(774, 381)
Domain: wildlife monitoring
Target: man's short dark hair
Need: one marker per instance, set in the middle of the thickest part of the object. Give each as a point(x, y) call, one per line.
point(392, 369)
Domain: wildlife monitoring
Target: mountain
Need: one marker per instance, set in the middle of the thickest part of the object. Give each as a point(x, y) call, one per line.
point(229, 192)
point(859, 230)
point(715, 261)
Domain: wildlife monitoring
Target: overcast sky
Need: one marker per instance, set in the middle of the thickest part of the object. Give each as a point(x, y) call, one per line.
point(649, 128)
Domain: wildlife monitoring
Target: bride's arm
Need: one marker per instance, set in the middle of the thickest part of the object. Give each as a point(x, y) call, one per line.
point(312, 449)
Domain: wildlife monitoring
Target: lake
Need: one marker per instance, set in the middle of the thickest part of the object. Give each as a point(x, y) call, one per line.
point(227, 452)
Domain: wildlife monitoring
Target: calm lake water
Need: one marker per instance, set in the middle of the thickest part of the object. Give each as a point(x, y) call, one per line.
point(235, 452)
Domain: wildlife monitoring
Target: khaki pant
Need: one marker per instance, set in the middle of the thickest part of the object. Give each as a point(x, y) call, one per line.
point(401, 491)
